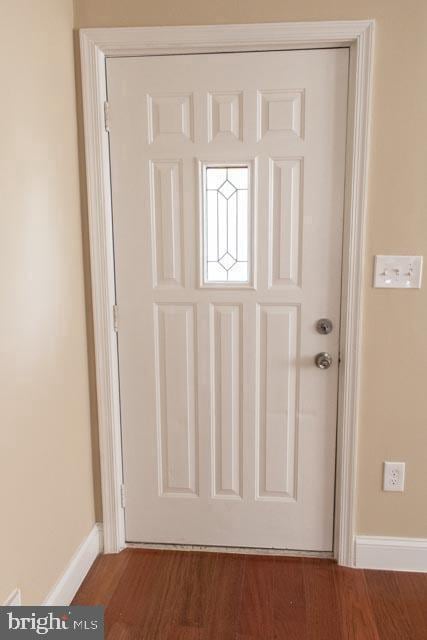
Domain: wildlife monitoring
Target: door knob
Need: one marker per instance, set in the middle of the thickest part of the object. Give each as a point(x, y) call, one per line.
point(323, 360)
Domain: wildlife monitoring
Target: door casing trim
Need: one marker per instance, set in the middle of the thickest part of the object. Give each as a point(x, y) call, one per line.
point(98, 44)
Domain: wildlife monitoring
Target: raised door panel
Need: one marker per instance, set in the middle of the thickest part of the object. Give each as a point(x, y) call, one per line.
point(176, 399)
point(225, 116)
point(277, 397)
point(284, 222)
point(166, 210)
point(170, 118)
point(281, 114)
point(226, 395)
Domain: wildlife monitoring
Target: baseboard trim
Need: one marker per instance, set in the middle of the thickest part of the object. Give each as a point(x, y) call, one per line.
point(65, 589)
point(14, 600)
point(395, 554)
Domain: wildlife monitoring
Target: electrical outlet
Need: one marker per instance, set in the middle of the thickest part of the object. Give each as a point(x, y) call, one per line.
point(394, 476)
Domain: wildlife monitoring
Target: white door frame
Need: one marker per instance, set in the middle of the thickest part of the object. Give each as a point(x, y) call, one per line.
point(97, 45)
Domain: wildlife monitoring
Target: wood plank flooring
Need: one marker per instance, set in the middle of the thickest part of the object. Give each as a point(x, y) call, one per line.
point(182, 595)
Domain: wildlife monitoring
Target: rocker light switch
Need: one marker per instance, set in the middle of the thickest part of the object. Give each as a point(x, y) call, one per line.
point(398, 272)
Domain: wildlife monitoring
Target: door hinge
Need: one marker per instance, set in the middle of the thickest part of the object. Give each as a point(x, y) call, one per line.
point(115, 318)
point(107, 116)
point(122, 496)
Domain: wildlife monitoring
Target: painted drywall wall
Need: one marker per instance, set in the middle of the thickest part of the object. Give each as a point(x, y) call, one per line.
point(46, 490)
point(393, 411)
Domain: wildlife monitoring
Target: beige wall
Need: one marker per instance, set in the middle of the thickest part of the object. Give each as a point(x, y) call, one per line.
point(393, 417)
point(46, 496)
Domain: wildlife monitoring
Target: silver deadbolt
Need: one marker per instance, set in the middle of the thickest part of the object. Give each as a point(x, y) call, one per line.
point(323, 360)
point(324, 326)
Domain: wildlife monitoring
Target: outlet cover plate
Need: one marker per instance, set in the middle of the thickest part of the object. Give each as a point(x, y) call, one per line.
point(398, 272)
point(394, 476)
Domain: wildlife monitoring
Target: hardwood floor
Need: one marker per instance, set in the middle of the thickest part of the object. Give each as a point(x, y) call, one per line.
point(181, 595)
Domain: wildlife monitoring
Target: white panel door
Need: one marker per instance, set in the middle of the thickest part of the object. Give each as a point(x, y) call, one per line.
point(228, 188)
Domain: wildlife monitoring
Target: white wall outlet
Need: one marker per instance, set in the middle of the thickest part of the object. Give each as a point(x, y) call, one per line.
point(394, 476)
point(398, 272)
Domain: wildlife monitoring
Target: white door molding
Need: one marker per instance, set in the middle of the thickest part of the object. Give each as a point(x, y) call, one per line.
point(96, 45)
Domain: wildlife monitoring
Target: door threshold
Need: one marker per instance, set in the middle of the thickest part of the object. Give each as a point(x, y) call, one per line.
point(253, 551)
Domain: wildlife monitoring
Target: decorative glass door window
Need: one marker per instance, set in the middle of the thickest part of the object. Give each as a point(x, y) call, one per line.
point(226, 227)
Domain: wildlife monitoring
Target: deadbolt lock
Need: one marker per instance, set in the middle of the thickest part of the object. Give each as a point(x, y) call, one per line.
point(323, 360)
point(324, 326)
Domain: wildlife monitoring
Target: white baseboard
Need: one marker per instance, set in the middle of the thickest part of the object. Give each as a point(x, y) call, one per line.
point(66, 587)
point(396, 554)
point(14, 600)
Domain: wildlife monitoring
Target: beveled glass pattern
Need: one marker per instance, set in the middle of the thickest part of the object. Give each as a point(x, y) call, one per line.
point(226, 228)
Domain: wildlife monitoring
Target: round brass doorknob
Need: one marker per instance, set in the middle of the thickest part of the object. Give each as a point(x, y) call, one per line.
point(323, 360)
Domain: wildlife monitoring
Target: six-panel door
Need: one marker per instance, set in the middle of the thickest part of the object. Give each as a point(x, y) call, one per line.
point(227, 186)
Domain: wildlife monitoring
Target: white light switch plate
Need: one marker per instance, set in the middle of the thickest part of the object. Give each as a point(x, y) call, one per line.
point(398, 272)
